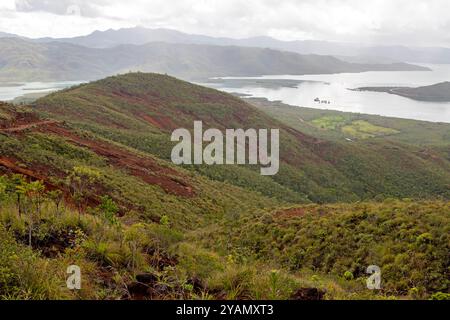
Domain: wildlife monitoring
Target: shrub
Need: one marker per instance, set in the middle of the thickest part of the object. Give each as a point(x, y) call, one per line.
point(198, 262)
point(440, 296)
point(348, 275)
point(23, 275)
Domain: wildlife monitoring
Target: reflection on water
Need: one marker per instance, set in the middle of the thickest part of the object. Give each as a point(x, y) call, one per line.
point(334, 88)
point(12, 91)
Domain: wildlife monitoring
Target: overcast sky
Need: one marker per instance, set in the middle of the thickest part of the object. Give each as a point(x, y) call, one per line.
point(413, 22)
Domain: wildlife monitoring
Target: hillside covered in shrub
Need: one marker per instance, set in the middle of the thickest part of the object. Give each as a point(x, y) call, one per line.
point(86, 179)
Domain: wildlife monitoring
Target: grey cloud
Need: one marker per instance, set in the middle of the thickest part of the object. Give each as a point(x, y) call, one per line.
point(61, 7)
point(423, 22)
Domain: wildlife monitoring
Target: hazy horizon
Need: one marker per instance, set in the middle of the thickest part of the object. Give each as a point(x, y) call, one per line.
point(381, 22)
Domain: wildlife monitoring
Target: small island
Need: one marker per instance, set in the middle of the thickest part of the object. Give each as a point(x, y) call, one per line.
point(439, 92)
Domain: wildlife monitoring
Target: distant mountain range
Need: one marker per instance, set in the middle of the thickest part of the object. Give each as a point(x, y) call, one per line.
point(350, 52)
point(8, 35)
point(41, 60)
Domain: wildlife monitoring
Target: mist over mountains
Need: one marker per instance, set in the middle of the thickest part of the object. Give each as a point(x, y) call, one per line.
point(164, 51)
point(351, 52)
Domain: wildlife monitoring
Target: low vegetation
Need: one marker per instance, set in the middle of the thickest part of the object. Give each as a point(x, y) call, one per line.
point(271, 255)
point(363, 130)
point(85, 179)
point(408, 240)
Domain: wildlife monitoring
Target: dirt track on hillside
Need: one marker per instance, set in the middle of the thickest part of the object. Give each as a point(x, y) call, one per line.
point(23, 127)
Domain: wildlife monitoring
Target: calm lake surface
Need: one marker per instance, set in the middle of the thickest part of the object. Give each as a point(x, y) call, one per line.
point(329, 87)
point(11, 91)
point(334, 88)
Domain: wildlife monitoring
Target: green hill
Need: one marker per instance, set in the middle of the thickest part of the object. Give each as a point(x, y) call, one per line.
point(141, 110)
point(140, 227)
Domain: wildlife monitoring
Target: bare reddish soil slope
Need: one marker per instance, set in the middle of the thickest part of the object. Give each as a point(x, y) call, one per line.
point(145, 168)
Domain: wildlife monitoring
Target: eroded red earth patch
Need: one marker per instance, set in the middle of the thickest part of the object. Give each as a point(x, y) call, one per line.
point(145, 168)
point(161, 122)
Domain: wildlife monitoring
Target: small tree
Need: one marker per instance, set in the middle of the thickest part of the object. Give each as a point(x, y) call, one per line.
point(79, 181)
point(38, 196)
point(13, 188)
point(33, 194)
point(3, 188)
point(109, 210)
point(56, 196)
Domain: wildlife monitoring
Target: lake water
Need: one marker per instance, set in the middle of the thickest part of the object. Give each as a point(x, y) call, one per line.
point(334, 88)
point(12, 91)
point(330, 87)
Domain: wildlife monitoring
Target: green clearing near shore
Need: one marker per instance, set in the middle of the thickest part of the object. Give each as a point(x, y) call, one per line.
point(313, 121)
point(363, 130)
point(329, 122)
point(360, 129)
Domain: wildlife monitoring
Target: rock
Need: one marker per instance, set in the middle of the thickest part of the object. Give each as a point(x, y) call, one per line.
point(137, 290)
point(308, 294)
point(146, 278)
point(159, 290)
